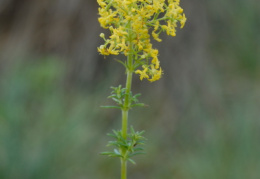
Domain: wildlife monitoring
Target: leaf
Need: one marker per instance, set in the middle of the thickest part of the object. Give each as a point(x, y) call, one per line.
point(117, 100)
point(141, 133)
point(112, 96)
point(117, 152)
point(138, 105)
point(111, 154)
point(138, 149)
point(123, 63)
point(132, 130)
point(132, 161)
point(123, 144)
point(137, 95)
point(115, 107)
point(112, 135)
point(137, 65)
point(141, 142)
point(106, 153)
point(117, 133)
point(111, 143)
point(135, 153)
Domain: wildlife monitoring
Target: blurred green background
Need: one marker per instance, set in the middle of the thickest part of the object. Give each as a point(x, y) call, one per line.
point(203, 119)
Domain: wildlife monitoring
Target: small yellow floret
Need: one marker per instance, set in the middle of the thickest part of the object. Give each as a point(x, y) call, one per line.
point(156, 74)
point(183, 20)
point(143, 74)
point(156, 36)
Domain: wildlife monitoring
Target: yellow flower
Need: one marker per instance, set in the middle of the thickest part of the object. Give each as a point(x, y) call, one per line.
point(156, 74)
point(130, 21)
point(122, 45)
point(183, 20)
point(154, 53)
point(156, 62)
point(143, 73)
point(101, 3)
point(140, 47)
point(156, 36)
point(102, 50)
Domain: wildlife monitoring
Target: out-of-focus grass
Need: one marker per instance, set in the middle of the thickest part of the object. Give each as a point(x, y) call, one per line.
point(206, 145)
point(46, 131)
point(224, 147)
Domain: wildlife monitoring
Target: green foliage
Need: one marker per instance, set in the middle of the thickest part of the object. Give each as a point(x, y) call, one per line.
point(118, 95)
point(130, 146)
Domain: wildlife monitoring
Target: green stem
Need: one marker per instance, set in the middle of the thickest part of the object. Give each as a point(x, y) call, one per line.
point(124, 123)
point(123, 169)
point(127, 103)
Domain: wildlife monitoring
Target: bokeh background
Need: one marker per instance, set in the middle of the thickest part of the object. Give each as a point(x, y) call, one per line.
point(203, 119)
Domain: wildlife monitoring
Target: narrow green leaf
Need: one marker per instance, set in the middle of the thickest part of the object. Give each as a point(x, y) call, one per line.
point(132, 130)
point(117, 100)
point(111, 143)
point(138, 105)
point(112, 135)
point(123, 63)
point(117, 152)
point(111, 96)
point(136, 153)
point(115, 107)
point(138, 149)
point(132, 161)
point(106, 153)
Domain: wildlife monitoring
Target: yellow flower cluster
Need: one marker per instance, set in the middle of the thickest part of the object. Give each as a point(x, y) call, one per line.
point(130, 22)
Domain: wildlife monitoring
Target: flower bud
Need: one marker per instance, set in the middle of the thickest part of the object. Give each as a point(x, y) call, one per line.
point(102, 35)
